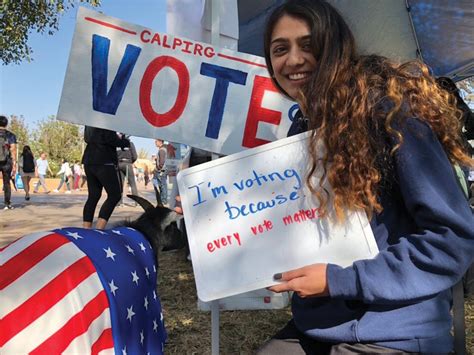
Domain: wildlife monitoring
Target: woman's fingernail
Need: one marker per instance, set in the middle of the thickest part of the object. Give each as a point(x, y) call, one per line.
point(277, 276)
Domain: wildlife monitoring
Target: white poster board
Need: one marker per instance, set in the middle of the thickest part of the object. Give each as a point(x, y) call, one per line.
point(249, 216)
point(132, 79)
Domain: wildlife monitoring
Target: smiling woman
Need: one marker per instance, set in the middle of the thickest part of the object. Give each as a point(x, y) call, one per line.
point(291, 56)
point(377, 121)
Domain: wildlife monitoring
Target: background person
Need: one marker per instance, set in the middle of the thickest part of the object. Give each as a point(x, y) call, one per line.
point(7, 160)
point(64, 174)
point(126, 157)
point(100, 164)
point(160, 183)
point(42, 168)
point(389, 133)
point(27, 166)
point(77, 171)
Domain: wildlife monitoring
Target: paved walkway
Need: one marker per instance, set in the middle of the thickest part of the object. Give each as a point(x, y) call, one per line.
point(53, 210)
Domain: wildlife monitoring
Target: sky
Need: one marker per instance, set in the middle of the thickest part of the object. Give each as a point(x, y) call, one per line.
point(33, 89)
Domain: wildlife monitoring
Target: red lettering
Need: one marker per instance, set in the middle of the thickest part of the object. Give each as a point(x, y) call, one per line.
point(156, 38)
point(257, 113)
point(209, 52)
point(266, 226)
point(146, 85)
point(177, 42)
point(237, 236)
point(165, 44)
point(222, 242)
point(142, 36)
point(318, 212)
point(186, 49)
point(198, 49)
point(210, 247)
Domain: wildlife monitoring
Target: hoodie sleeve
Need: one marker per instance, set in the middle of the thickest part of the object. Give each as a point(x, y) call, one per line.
point(441, 247)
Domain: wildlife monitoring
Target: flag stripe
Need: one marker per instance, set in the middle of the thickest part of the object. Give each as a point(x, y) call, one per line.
point(104, 342)
point(75, 326)
point(84, 343)
point(29, 257)
point(45, 298)
point(18, 245)
point(38, 276)
point(56, 317)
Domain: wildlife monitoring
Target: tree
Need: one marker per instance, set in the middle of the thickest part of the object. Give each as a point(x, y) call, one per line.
point(60, 140)
point(19, 18)
point(17, 125)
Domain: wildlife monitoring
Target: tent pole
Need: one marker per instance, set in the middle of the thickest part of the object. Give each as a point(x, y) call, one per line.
point(418, 49)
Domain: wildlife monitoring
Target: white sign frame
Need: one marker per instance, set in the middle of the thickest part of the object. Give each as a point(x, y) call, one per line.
point(233, 264)
point(178, 89)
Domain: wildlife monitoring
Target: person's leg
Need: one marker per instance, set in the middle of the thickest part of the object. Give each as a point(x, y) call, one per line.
point(94, 188)
point(358, 348)
point(76, 181)
point(101, 223)
point(131, 180)
point(290, 341)
point(121, 173)
point(163, 185)
point(6, 175)
point(109, 178)
point(43, 182)
point(26, 186)
point(37, 185)
point(68, 185)
point(83, 182)
point(61, 182)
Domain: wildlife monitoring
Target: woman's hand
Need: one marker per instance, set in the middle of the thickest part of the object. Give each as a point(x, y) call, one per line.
point(308, 281)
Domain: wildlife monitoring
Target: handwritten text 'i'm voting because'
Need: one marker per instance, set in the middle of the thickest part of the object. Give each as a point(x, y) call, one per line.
point(203, 191)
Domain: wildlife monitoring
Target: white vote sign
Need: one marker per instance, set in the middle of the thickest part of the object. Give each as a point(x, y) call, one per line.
point(250, 215)
point(132, 79)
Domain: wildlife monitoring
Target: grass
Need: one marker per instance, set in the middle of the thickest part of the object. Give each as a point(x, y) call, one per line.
point(241, 332)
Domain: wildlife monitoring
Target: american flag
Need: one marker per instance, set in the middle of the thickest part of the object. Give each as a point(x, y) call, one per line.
point(80, 291)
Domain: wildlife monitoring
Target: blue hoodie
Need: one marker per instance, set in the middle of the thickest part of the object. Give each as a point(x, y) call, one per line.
point(401, 299)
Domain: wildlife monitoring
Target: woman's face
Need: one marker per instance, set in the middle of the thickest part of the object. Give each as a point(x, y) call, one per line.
point(290, 54)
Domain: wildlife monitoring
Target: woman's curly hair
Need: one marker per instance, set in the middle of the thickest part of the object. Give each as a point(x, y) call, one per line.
point(355, 106)
point(361, 115)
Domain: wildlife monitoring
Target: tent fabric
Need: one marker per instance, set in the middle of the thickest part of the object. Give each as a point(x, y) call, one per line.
point(443, 30)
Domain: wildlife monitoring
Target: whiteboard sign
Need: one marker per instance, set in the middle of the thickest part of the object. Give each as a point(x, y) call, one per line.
point(132, 79)
point(250, 215)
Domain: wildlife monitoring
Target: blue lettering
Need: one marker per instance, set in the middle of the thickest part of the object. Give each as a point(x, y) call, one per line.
point(239, 186)
point(216, 191)
point(290, 173)
point(294, 196)
point(271, 176)
point(229, 209)
point(223, 77)
point(101, 100)
point(281, 199)
point(198, 190)
point(292, 112)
